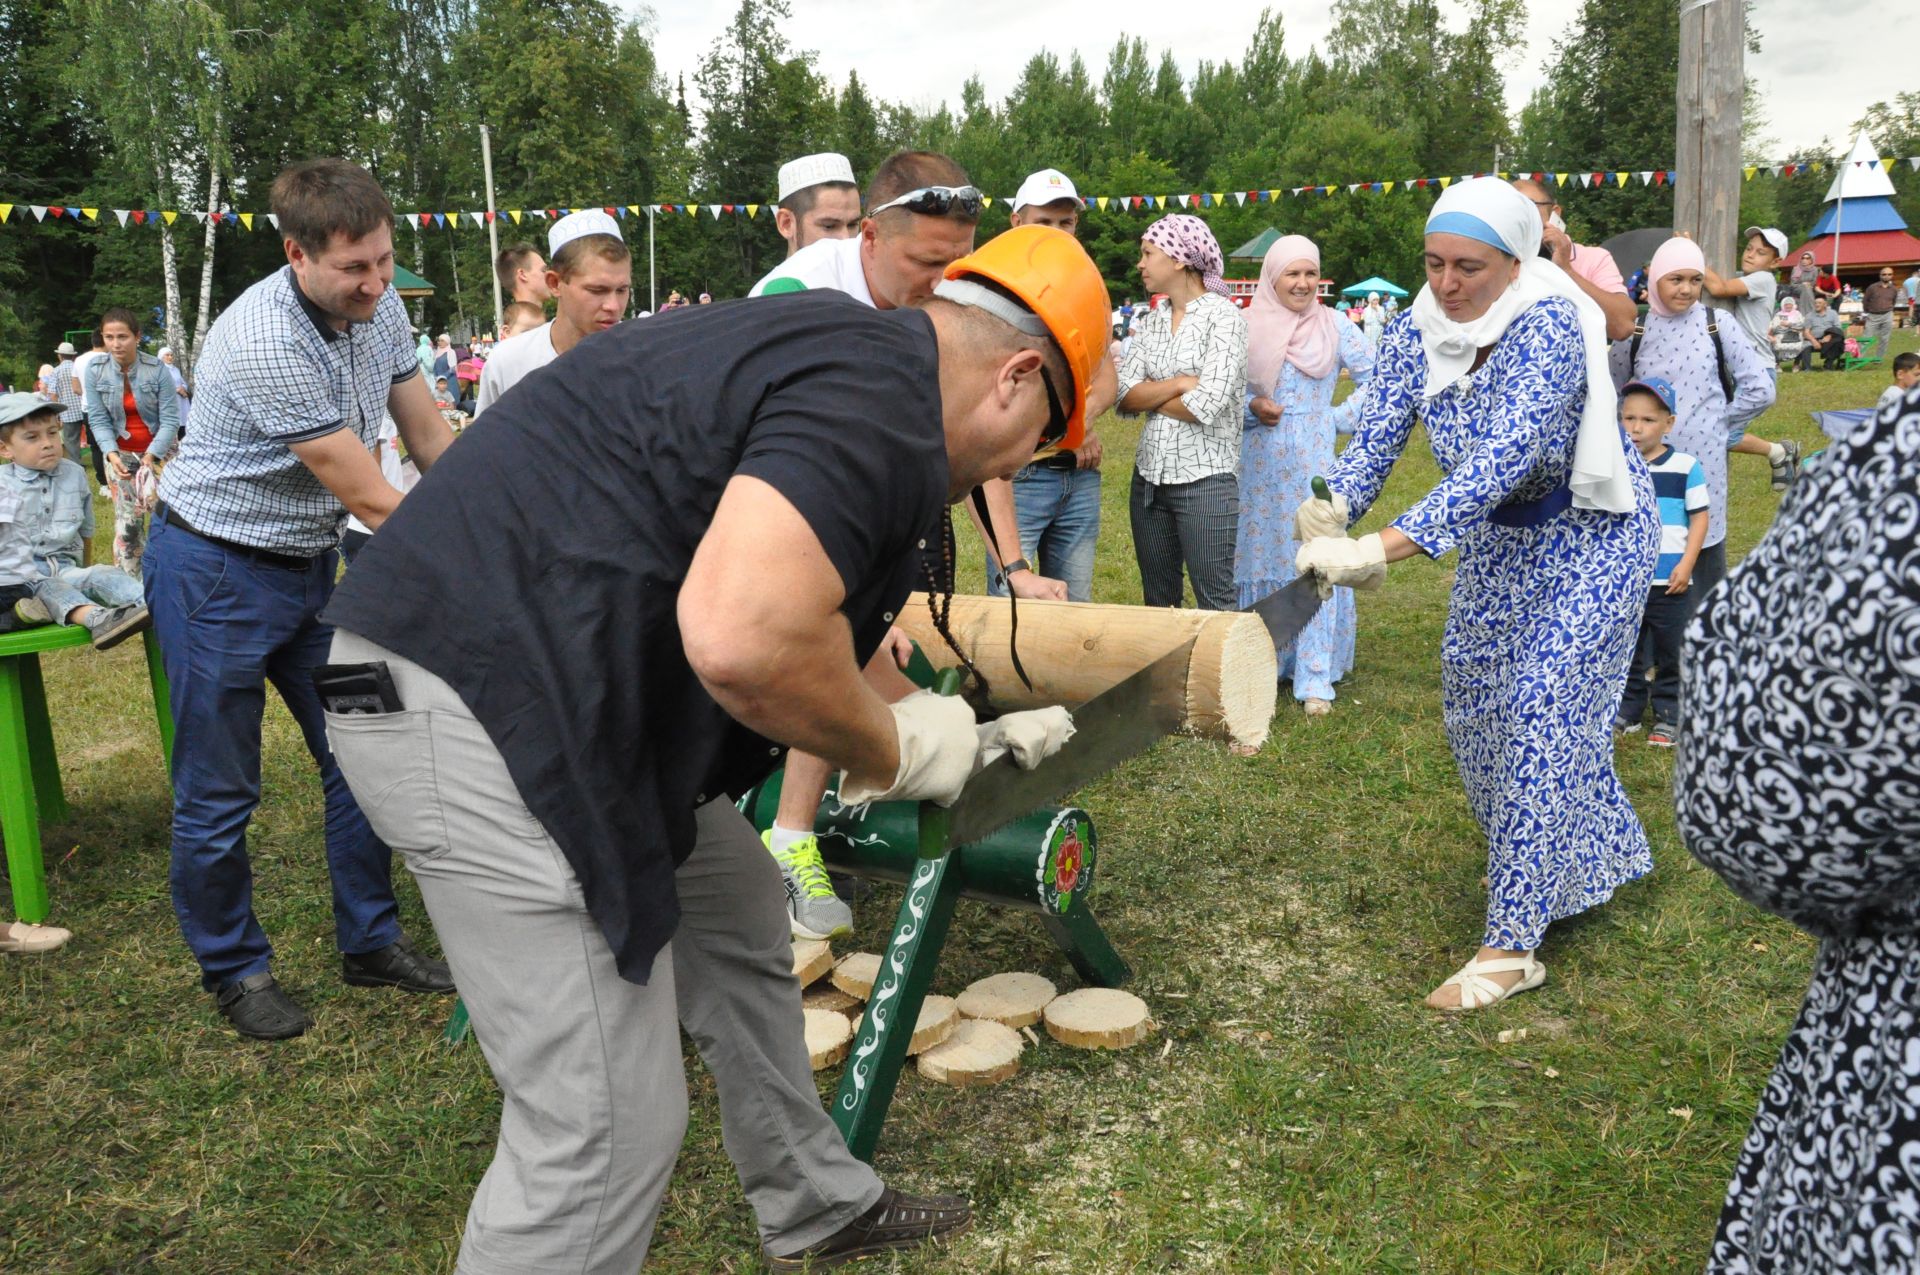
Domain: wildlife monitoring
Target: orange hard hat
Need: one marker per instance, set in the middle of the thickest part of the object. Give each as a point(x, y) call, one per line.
point(1053, 276)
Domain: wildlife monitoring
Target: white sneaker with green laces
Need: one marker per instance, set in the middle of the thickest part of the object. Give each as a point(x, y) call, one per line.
point(813, 909)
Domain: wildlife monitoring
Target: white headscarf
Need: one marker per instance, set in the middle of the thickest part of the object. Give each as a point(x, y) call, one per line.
point(1488, 209)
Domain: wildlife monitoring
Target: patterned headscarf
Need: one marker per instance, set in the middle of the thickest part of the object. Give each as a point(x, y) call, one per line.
point(1188, 241)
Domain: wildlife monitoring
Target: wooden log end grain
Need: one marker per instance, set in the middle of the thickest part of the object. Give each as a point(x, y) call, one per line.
point(830, 998)
point(1012, 1000)
point(854, 974)
point(939, 1016)
point(1098, 1018)
point(979, 1052)
point(1233, 683)
point(829, 1037)
point(811, 959)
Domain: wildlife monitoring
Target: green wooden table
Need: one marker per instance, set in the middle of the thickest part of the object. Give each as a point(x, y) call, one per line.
point(30, 788)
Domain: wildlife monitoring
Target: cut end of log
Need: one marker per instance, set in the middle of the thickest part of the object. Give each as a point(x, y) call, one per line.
point(829, 1036)
point(830, 998)
point(1236, 699)
point(938, 1019)
point(854, 974)
point(979, 1052)
point(1098, 1018)
point(811, 959)
point(1012, 1000)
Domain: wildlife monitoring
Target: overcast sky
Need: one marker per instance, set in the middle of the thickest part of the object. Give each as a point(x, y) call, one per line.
point(1813, 70)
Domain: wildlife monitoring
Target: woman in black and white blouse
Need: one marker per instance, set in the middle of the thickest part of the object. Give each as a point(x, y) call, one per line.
point(1187, 370)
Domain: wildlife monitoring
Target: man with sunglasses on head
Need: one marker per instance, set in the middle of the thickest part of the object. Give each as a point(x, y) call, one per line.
point(921, 217)
point(557, 769)
point(1592, 269)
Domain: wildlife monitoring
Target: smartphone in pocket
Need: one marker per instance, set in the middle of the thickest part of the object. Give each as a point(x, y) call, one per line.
point(349, 689)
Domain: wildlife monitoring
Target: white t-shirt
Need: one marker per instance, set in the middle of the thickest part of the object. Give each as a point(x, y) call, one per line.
point(510, 362)
point(80, 366)
point(1755, 310)
point(832, 264)
point(397, 472)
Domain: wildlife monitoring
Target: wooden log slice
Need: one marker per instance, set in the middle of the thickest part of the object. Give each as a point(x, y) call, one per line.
point(830, 998)
point(1098, 1018)
point(1012, 1000)
point(854, 974)
point(939, 1016)
point(980, 1052)
point(811, 959)
point(829, 1036)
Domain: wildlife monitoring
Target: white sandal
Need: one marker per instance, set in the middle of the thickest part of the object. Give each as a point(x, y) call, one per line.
point(1477, 991)
point(1319, 707)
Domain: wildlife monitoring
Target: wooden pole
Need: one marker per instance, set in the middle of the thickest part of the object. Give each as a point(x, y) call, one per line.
point(1708, 95)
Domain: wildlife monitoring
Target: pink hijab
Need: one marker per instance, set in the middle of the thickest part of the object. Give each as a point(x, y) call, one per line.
point(1674, 254)
point(1275, 333)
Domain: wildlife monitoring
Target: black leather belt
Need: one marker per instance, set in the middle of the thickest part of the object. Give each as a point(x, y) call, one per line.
point(1059, 460)
point(286, 562)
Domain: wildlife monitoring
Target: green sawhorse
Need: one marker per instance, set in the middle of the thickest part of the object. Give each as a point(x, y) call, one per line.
point(30, 788)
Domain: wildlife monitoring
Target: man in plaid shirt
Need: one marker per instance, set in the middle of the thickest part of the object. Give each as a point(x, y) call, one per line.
point(292, 384)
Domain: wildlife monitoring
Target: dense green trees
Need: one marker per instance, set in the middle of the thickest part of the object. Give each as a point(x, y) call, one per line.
point(168, 102)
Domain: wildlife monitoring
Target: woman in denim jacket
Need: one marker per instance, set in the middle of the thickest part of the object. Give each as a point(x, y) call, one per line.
point(134, 414)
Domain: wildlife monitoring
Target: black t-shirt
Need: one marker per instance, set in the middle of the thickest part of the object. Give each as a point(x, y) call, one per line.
point(536, 568)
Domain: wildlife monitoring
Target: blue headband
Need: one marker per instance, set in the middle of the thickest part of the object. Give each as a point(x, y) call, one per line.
point(1468, 226)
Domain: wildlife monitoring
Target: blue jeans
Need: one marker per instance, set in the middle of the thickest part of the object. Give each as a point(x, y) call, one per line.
point(228, 625)
point(1193, 525)
point(1059, 515)
point(66, 586)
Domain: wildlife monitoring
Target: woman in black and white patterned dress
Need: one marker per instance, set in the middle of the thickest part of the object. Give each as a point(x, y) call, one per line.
point(1799, 783)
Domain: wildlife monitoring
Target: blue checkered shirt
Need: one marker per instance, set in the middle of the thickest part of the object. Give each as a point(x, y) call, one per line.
point(63, 387)
point(275, 373)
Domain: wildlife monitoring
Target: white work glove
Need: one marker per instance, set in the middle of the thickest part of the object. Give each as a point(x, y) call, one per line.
point(1357, 564)
point(1317, 518)
point(938, 744)
point(1032, 737)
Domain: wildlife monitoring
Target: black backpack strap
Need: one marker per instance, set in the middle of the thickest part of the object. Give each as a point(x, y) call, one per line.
point(1720, 353)
point(1633, 349)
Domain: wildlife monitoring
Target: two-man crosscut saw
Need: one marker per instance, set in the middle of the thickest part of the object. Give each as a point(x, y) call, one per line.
point(1108, 729)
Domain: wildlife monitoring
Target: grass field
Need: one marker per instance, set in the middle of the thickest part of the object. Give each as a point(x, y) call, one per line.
point(1284, 913)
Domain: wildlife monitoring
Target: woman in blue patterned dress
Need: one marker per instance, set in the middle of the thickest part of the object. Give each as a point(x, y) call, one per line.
point(1295, 350)
point(1504, 362)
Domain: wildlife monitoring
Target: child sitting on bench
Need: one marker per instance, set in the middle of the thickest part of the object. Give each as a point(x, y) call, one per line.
point(46, 509)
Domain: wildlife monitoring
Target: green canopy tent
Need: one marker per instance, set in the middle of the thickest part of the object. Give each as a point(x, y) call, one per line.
point(1375, 284)
point(1255, 249)
point(408, 284)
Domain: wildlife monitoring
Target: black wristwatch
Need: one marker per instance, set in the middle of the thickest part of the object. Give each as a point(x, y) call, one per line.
point(1018, 564)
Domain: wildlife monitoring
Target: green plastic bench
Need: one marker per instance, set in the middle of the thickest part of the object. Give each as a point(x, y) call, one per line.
point(30, 788)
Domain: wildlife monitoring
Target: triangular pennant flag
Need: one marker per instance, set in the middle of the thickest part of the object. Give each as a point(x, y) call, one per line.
point(167, 216)
point(1888, 162)
point(39, 211)
point(1646, 177)
point(691, 210)
point(6, 211)
point(753, 210)
point(1560, 179)
point(91, 214)
point(1239, 199)
point(1778, 169)
point(1914, 163)
point(1354, 187)
point(1101, 202)
point(715, 210)
point(1272, 195)
point(1751, 170)
point(140, 217)
point(479, 218)
point(121, 213)
point(492, 216)
point(1445, 182)
point(246, 219)
point(439, 219)
point(273, 219)
point(1621, 178)
point(515, 214)
point(56, 210)
point(424, 218)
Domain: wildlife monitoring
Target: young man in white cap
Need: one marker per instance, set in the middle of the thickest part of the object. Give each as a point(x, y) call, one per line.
point(819, 199)
point(1751, 297)
point(921, 214)
point(1056, 497)
point(590, 273)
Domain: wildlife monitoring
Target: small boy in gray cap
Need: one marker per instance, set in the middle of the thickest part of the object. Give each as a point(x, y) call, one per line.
point(46, 511)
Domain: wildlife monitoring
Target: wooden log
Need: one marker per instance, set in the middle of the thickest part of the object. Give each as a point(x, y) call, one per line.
point(829, 1037)
point(1075, 650)
point(938, 1018)
point(1098, 1018)
point(811, 959)
point(978, 1053)
point(854, 974)
point(828, 997)
point(1012, 1000)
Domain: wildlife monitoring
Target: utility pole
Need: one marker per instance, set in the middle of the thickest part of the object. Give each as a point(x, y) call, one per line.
point(493, 223)
point(1712, 80)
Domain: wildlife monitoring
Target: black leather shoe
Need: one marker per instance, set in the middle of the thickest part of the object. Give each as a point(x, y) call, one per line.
point(257, 1007)
point(397, 965)
point(895, 1221)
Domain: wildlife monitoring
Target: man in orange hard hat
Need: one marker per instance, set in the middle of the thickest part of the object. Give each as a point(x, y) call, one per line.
point(556, 769)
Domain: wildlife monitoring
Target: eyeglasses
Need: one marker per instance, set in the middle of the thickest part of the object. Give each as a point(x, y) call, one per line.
point(1056, 427)
point(937, 201)
point(1543, 203)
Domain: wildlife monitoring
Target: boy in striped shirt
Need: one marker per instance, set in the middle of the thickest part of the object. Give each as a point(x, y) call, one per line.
point(1680, 489)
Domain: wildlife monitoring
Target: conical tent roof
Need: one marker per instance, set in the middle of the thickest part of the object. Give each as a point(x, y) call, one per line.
point(1860, 175)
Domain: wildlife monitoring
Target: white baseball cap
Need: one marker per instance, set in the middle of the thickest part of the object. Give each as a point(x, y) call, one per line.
point(577, 225)
point(1775, 240)
point(1047, 186)
point(814, 170)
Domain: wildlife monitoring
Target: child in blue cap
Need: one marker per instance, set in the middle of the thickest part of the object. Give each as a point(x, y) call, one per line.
point(1680, 488)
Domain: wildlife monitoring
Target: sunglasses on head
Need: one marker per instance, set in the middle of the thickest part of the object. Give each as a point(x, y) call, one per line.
point(937, 201)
